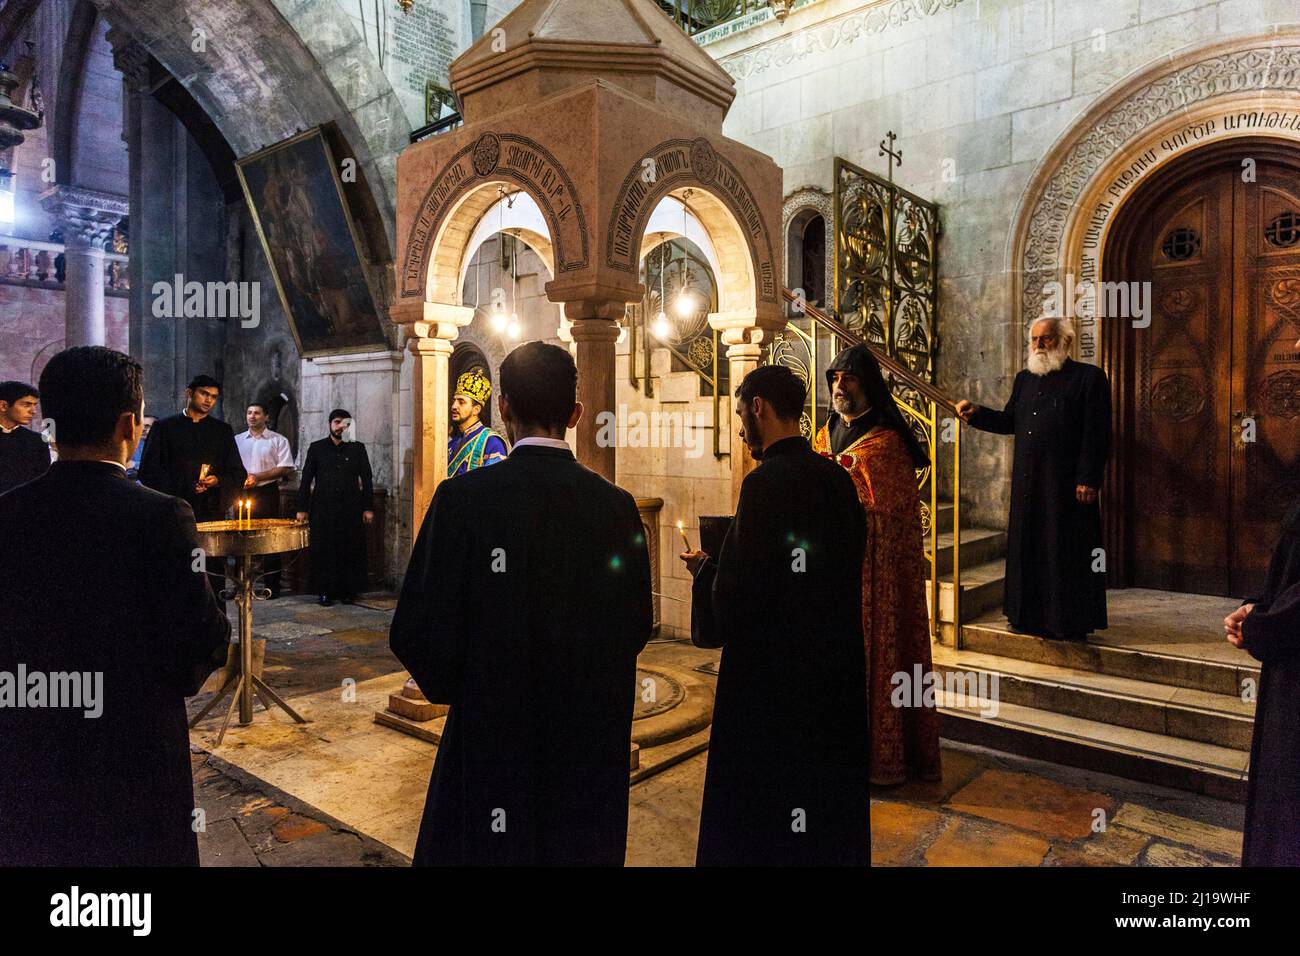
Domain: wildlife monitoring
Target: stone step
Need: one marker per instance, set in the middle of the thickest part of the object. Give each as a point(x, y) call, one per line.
point(978, 546)
point(1217, 677)
point(1093, 745)
point(1222, 720)
point(981, 589)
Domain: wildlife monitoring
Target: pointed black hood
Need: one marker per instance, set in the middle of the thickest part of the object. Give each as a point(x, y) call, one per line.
point(857, 360)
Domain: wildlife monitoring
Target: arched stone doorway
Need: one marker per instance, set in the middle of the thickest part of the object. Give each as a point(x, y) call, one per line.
point(1207, 392)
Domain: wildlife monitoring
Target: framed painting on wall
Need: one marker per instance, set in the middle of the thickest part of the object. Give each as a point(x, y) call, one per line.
point(296, 199)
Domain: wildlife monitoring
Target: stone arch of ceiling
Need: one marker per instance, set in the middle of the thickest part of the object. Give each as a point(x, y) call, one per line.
point(1076, 193)
point(268, 69)
point(72, 78)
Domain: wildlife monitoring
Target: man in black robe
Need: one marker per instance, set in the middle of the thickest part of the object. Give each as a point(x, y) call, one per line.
point(24, 455)
point(789, 755)
point(1059, 411)
point(1268, 627)
point(180, 445)
point(524, 607)
point(336, 493)
point(103, 780)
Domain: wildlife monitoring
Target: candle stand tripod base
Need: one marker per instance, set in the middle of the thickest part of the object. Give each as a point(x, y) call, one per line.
point(244, 540)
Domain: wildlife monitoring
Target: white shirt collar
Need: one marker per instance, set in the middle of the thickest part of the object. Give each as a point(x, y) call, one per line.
point(544, 442)
point(106, 461)
point(9, 430)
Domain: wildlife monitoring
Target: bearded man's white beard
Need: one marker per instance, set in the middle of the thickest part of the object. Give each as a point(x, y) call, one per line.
point(1044, 362)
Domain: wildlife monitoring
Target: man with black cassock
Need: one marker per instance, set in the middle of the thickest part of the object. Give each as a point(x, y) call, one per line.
point(524, 607)
point(113, 788)
point(180, 445)
point(336, 491)
point(1059, 411)
point(789, 754)
point(1268, 627)
point(24, 455)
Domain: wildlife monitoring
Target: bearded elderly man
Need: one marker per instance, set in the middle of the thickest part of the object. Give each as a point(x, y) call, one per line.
point(1059, 412)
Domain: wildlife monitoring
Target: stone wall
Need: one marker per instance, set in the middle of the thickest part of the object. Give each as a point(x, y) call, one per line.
point(32, 329)
point(978, 91)
point(676, 465)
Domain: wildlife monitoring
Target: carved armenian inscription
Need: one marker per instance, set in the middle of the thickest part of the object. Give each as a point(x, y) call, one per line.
point(672, 165)
point(507, 157)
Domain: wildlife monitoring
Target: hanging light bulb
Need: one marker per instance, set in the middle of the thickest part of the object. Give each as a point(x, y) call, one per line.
point(662, 327)
point(512, 328)
point(686, 305)
point(499, 320)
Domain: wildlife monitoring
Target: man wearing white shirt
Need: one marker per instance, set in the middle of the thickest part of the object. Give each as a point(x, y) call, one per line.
point(268, 461)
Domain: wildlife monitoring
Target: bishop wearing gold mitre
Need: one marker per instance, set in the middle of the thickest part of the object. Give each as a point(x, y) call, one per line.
point(472, 444)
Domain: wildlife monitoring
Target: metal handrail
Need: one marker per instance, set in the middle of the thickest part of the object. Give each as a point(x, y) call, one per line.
point(437, 126)
point(896, 368)
point(932, 423)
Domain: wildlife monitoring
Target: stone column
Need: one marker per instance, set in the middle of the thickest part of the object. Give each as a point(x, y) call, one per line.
point(742, 358)
point(594, 335)
point(430, 342)
point(132, 60)
point(744, 333)
point(86, 218)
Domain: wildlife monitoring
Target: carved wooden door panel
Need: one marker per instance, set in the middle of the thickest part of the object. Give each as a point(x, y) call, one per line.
point(1266, 369)
point(1179, 452)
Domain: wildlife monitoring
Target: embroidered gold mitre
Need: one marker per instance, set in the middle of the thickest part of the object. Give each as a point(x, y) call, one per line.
point(475, 385)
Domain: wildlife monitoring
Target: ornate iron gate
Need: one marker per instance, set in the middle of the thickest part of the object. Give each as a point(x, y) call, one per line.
point(886, 267)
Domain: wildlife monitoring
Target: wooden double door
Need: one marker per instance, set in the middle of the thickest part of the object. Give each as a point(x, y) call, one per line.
point(1208, 395)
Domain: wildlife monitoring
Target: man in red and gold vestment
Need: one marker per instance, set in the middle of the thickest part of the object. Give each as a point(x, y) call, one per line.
point(867, 434)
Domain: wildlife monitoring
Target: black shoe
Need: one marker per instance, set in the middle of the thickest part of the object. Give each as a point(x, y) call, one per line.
point(325, 601)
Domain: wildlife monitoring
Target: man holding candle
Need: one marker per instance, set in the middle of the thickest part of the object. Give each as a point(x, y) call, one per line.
point(268, 460)
point(787, 778)
point(193, 455)
point(336, 492)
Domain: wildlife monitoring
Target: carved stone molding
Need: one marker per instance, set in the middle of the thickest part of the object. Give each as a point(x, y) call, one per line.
point(1261, 68)
point(129, 57)
point(832, 33)
point(85, 216)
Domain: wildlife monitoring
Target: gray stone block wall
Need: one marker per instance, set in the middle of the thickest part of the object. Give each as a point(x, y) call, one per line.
point(978, 92)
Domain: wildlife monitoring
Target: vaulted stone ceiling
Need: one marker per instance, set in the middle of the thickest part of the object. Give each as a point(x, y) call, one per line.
point(267, 69)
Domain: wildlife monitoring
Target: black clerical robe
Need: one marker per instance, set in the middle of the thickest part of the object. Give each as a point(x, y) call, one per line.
point(524, 607)
point(336, 490)
point(789, 755)
point(1272, 635)
point(176, 450)
point(24, 455)
point(115, 594)
point(1062, 426)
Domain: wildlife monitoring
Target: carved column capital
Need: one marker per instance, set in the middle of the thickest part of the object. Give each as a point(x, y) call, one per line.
point(86, 217)
point(129, 57)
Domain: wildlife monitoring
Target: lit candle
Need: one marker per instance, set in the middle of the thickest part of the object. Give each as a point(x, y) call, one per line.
point(682, 532)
